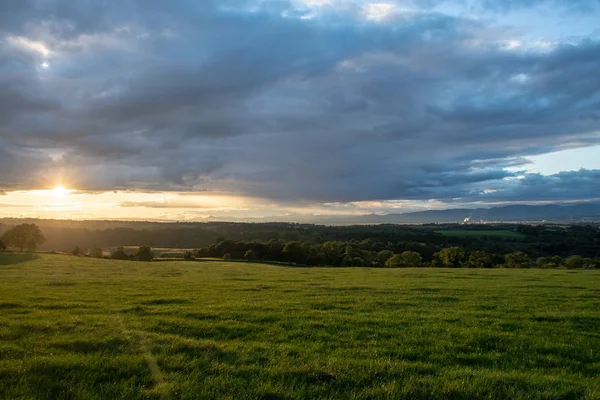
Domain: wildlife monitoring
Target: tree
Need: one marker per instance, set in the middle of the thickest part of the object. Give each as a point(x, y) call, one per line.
point(549, 262)
point(358, 262)
point(347, 261)
point(518, 259)
point(189, 256)
point(450, 256)
point(144, 253)
point(24, 236)
point(295, 252)
point(119, 254)
point(574, 262)
point(406, 259)
point(227, 257)
point(96, 253)
point(383, 256)
point(250, 255)
point(2, 246)
point(394, 261)
point(480, 259)
point(411, 259)
point(544, 262)
point(76, 251)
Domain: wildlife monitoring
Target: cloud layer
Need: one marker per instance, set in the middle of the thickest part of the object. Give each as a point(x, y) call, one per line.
point(319, 101)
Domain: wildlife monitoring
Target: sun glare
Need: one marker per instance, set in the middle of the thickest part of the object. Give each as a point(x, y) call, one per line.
point(60, 191)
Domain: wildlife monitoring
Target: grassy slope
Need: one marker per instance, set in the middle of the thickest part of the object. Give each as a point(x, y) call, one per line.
point(84, 328)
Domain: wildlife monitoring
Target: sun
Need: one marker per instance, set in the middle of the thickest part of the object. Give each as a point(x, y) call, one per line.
point(59, 191)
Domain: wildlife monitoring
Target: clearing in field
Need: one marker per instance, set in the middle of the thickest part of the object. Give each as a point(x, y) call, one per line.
point(99, 329)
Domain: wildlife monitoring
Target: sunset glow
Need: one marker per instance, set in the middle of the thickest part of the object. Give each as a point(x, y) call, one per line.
point(60, 191)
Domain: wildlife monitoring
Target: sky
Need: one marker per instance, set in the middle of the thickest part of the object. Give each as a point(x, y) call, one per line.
point(275, 109)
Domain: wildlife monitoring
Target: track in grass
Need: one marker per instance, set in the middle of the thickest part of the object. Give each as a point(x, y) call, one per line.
point(98, 329)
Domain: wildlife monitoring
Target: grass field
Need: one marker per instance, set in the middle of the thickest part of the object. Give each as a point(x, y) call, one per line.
point(77, 328)
point(477, 232)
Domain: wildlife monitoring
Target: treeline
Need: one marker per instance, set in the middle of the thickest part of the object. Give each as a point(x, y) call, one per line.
point(384, 255)
point(536, 241)
point(143, 253)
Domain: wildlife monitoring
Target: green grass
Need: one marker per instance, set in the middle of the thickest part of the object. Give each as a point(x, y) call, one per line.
point(76, 328)
point(477, 232)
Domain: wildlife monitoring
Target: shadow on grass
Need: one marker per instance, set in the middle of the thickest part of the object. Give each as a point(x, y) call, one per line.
point(7, 258)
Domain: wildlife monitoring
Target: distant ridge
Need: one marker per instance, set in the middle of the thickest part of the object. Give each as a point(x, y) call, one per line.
point(553, 212)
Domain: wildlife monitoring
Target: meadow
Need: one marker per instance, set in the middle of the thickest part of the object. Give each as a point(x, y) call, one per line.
point(81, 328)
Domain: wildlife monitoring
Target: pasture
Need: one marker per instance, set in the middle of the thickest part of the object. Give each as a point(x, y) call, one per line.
point(79, 328)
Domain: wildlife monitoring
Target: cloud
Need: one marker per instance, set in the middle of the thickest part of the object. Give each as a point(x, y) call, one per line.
point(156, 204)
point(257, 99)
point(573, 185)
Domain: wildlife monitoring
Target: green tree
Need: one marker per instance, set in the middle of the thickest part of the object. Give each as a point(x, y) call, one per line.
point(383, 256)
point(394, 261)
point(2, 246)
point(450, 257)
point(558, 260)
point(226, 257)
point(24, 236)
point(358, 262)
point(250, 255)
point(407, 259)
point(574, 262)
point(144, 253)
point(411, 259)
point(480, 259)
point(119, 254)
point(517, 259)
point(295, 252)
point(347, 261)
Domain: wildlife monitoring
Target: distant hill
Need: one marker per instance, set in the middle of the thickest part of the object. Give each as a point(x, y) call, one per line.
point(515, 213)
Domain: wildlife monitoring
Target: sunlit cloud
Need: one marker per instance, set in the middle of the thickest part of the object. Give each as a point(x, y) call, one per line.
point(35, 46)
point(379, 11)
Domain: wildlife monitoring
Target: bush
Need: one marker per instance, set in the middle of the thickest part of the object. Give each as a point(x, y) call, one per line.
point(227, 257)
point(77, 251)
point(119, 254)
point(96, 252)
point(518, 259)
point(575, 262)
point(480, 259)
point(189, 256)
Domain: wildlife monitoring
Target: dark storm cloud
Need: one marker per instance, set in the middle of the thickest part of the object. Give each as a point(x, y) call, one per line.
point(247, 97)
